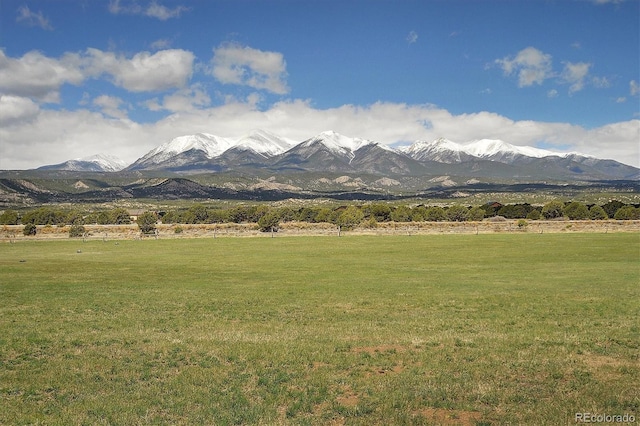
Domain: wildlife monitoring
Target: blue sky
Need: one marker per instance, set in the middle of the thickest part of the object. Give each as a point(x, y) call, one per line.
point(121, 77)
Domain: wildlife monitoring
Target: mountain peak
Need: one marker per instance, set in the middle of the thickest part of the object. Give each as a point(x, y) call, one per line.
point(264, 142)
point(106, 162)
point(209, 144)
point(337, 142)
point(487, 148)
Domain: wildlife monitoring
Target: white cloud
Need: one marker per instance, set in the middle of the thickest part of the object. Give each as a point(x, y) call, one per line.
point(634, 88)
point(163, 13)
point(110, 105)
point(553, 93)
point(152, 10)
point(37, 76)
point(15, 109)
point(187, 99)
point(601, 82)
point(144, 72)
point(33, 19)
point(412, 37)
point(56, 136)
point(621, 100)
point(235, 64)
point(575, 75)
point(532, 66)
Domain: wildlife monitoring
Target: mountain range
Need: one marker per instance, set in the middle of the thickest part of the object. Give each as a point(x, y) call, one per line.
point(262, 151)
point(94, 163)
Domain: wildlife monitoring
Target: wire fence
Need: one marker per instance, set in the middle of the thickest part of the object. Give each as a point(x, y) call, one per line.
point(13, 233)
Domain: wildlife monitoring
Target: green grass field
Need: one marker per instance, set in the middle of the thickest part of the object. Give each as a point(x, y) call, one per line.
point(443, 329)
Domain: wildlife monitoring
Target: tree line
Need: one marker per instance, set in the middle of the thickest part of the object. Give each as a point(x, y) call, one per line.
point(269, 217)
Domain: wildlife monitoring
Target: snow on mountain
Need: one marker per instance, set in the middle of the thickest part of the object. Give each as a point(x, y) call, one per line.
point(106, 162)
point(441, 150)
point(331, 151)
point(211, 145)
point(445, 151)
point(488, 148)
point(94, 163)
point(264, 143)
point(340, 145)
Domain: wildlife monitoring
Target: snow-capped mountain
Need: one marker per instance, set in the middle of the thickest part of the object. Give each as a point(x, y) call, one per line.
point(93, 163)
point(183, 149)
point(446, 151)
point(497, 149)
point(206, 151)
point(340, 145)
point(265, 143)
point(332, 152)
point(440, 150)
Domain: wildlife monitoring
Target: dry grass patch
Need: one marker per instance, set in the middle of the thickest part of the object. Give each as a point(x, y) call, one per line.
point(441, 416)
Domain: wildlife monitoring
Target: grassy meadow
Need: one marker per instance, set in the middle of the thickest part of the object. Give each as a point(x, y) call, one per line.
point(438, 329)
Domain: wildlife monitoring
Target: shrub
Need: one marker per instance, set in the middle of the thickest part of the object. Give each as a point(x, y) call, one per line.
point(576, 211)
point(269, 222)
point(9, 217)
point(534, 215)
point(29, 229)
point(350, 218)
point(627, 213)
point(597, 213)
point(401, 214)
point(381, 212)
point(147, 222)
point(522, 224)
point(457, 213)
point(435, 214)
point(612, 207)
point(76, 231)
point(553, 210)
point(178, 230)
point(119, 216)
point(476, 214)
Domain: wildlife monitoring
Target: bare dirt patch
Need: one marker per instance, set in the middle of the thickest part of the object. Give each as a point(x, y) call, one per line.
point(443, 416)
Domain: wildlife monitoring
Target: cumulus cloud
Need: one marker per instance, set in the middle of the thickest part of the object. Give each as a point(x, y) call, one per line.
point(152, 10)
point(37, 76)
point(412, 37)
point(241, 65)
point(110, 105)
point(33, 19)
point(40, 77)
point(187, 99)
point(634, 88)
point(15, 110)
point(84, 133)
point(575, 75)
point(144, 72)
point(530, 64)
